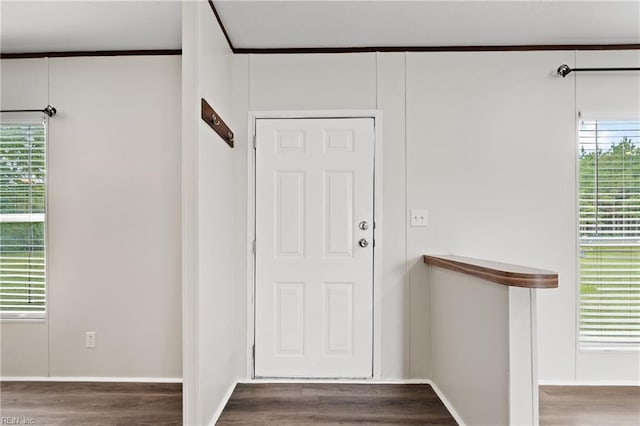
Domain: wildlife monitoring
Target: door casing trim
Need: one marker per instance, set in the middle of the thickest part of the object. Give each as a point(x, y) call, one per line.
point(376, 115)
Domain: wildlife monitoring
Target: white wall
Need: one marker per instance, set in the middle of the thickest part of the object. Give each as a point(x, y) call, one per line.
point(342, 82)
point(113, 218)
point(491, 140)
point(483, 354)
point(440, 165)
point(208, 220)
point(400, 343)
point(485, 141)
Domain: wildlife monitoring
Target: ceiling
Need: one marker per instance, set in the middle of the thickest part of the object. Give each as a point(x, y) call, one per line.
point(50, 26)
point(62, 26)
point(295, 24)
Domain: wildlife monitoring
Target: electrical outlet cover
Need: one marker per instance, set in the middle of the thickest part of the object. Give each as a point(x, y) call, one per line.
point(90, 339)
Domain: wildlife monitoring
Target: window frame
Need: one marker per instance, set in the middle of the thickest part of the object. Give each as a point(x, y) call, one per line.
point(27, 316)
point(591, 347)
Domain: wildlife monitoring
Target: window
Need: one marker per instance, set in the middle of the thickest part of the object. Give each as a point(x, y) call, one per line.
point(22, 220)
point(609, 217)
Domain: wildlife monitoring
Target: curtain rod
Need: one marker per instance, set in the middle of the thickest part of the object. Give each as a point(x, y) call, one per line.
point(564, 69)
point(49, 110)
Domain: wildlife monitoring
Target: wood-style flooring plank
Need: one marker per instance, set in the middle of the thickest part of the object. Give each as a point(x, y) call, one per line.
point(100, 404)
point(590, 405)
point(332, 404)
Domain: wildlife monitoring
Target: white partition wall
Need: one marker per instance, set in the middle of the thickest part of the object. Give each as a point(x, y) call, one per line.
point(483, 349)
point(207, 220)
point(469, 333)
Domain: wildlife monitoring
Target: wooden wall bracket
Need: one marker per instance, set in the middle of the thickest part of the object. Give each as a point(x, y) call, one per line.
point(212, 118)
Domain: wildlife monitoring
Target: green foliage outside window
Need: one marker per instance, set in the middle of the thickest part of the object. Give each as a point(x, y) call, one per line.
point(22, 169)
point(609, 258)
point(22, 225)
point(610, 191)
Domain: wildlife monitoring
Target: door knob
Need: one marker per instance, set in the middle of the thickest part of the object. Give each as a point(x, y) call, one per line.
point(363, 243)
point(364, 225)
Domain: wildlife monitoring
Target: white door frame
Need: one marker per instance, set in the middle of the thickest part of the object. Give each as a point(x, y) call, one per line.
point(377, 217)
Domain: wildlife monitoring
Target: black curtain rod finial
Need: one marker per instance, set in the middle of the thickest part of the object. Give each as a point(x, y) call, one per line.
point(564, 70)
point(50, 111)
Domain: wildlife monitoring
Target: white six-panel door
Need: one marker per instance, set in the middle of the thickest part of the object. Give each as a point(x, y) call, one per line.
point(314, 278)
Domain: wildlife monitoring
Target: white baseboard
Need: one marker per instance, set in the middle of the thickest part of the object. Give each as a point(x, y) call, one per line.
point(588, 383)
point(93, 379)
point(341, 381)
point(223, 403)
point(447, 403)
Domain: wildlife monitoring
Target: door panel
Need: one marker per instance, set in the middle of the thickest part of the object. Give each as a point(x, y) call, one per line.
point(289, 315)
point(289, 214)
point(338, 302)
point(338, 214)
point(314, 282)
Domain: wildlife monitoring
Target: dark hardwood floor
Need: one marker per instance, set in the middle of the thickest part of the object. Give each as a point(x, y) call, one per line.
point(326, 404)
point(71, 404)
point(590, 405)
point(74, 404)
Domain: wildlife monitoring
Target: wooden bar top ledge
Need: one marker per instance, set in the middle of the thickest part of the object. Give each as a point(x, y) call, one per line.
point(501, 273)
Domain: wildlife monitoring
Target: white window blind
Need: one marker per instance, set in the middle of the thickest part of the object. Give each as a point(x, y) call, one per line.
point(609, 191)
point(22, 220)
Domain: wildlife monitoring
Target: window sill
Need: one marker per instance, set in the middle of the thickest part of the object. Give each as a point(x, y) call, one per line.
point(23, 318)
point(610, 348)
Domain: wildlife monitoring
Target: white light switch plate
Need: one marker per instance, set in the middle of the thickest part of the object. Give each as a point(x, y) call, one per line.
point(419, 217)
